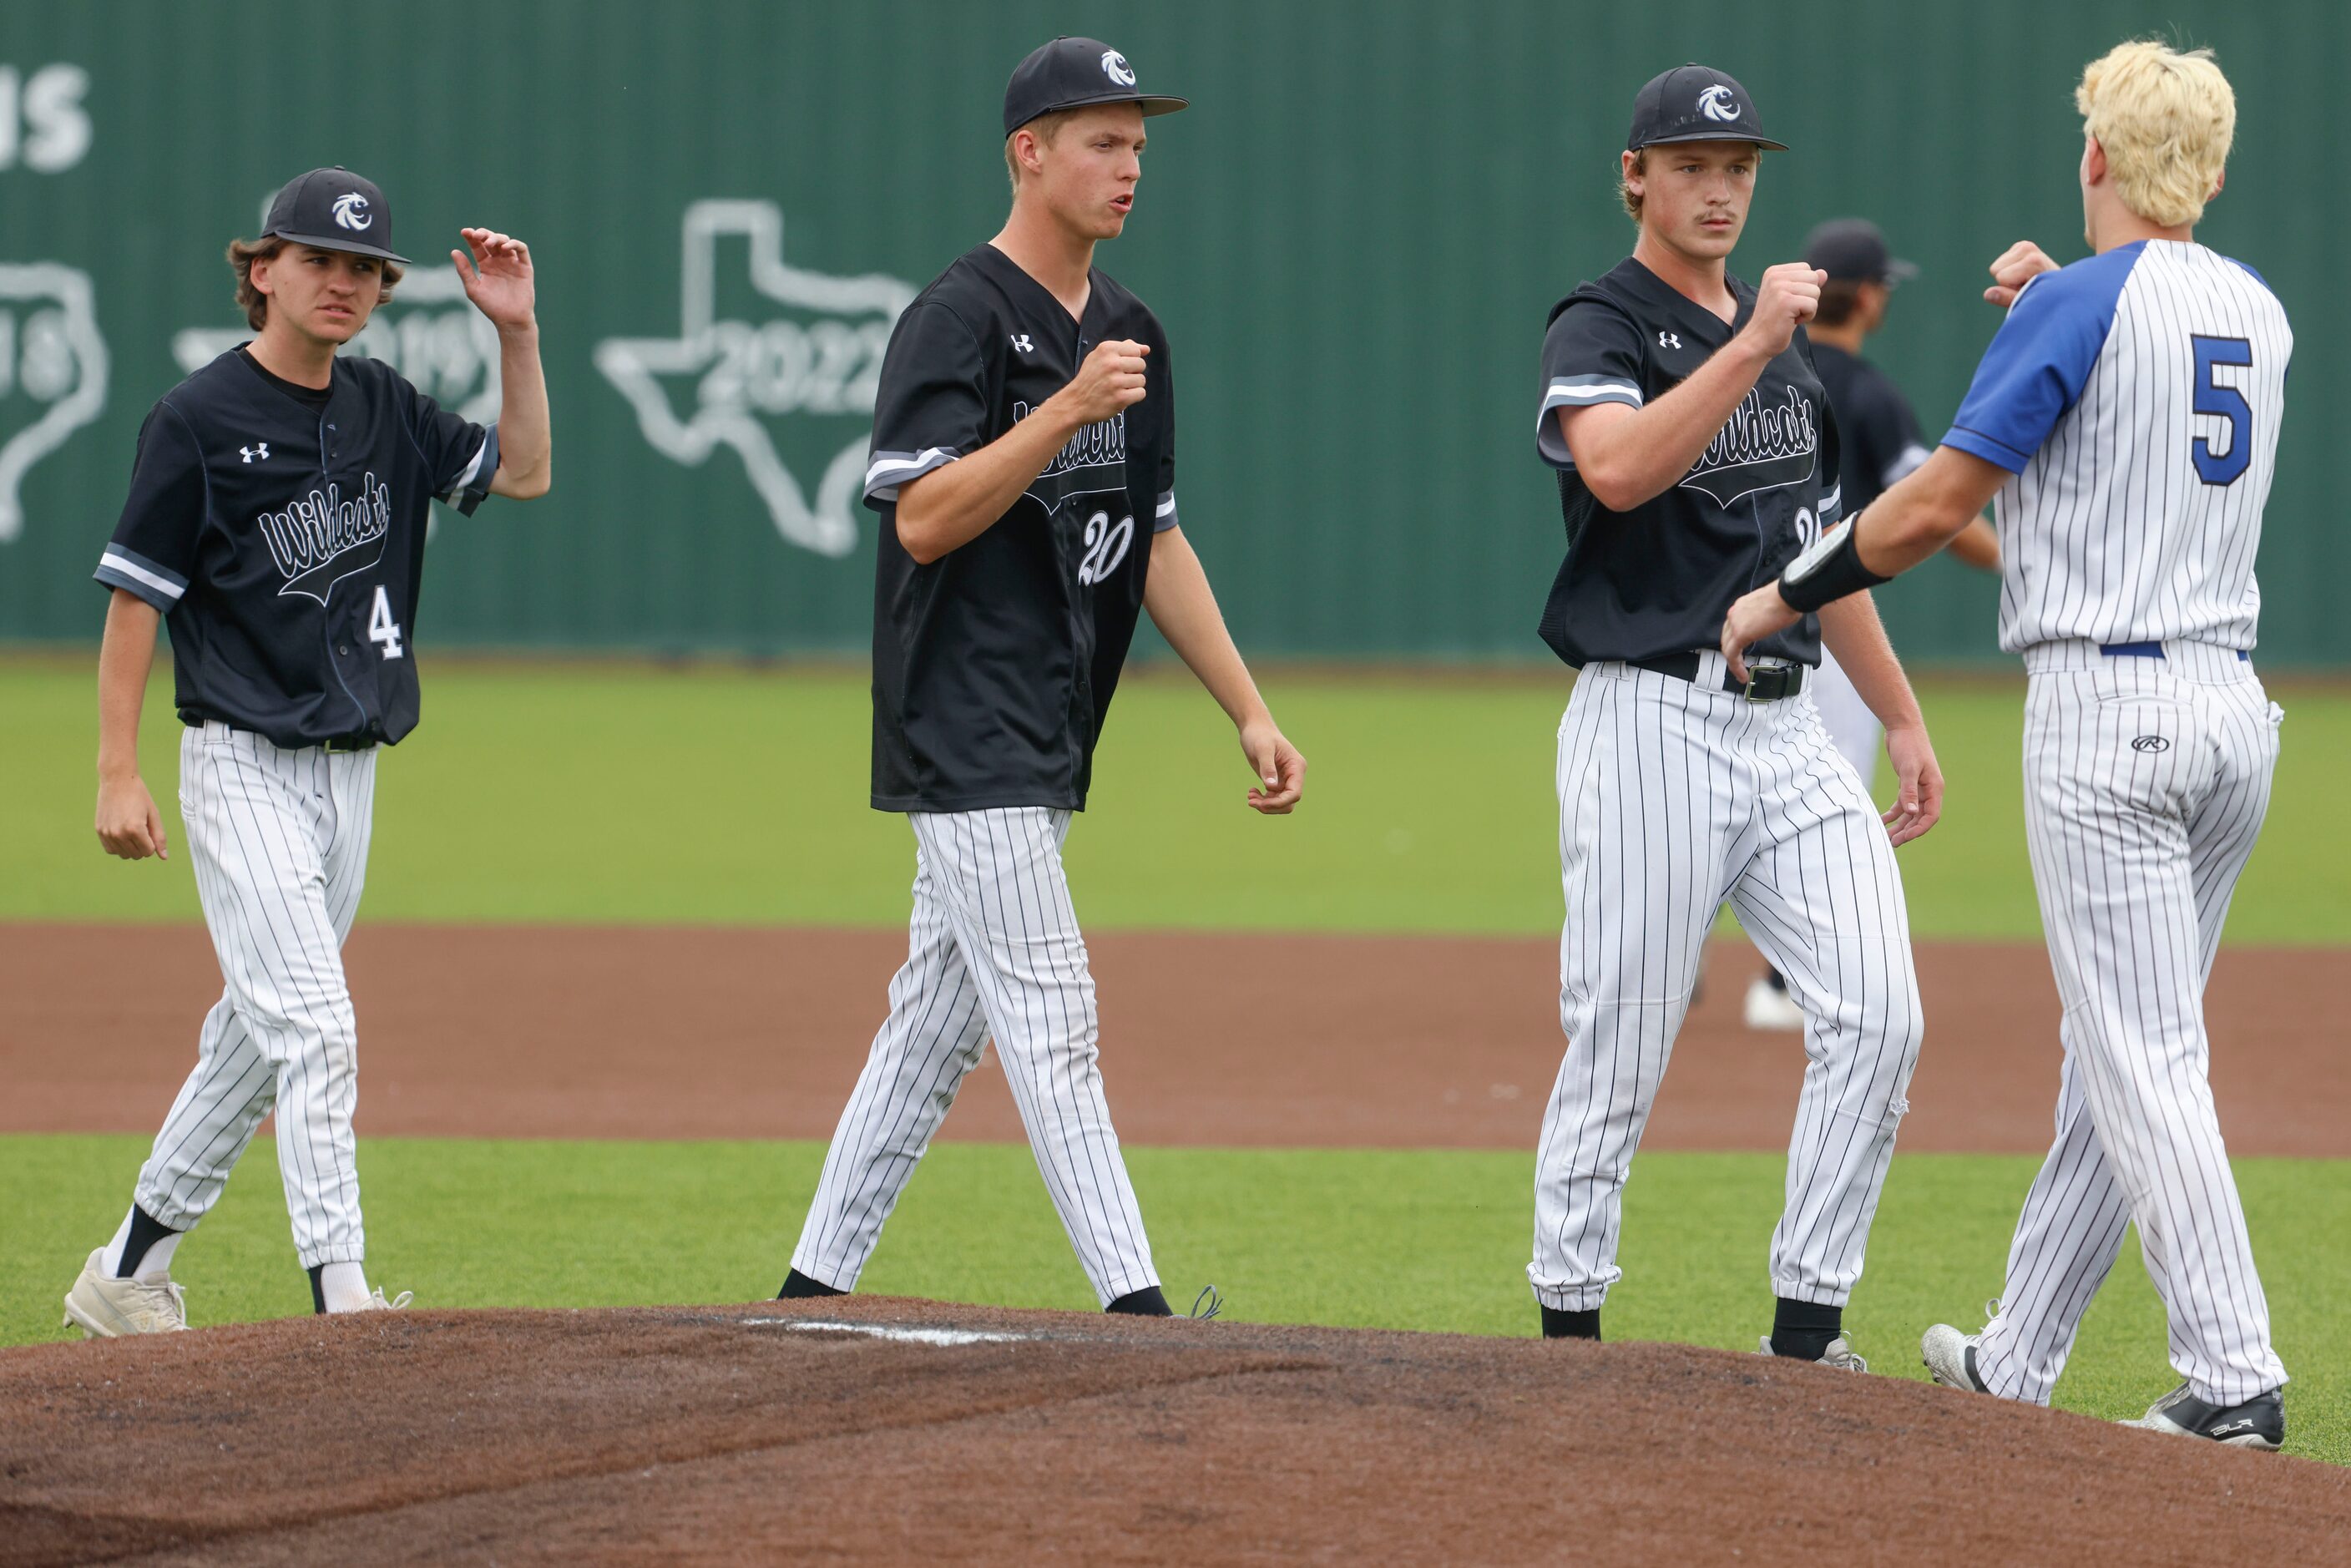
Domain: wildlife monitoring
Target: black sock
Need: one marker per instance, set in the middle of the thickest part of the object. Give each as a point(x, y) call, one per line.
point(318, 1289)
point(1146, 1302)
point(145, 1231)
point(1778, 982)
point(799, 1284)
point(1803, 1329)
point(1559, 1324)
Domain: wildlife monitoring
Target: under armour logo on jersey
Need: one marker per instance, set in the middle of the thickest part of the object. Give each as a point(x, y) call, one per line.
point(1716, 103)
point(1114, 67)
point(1021, 341)
point(1669, 340)
point(2150, 743)
point(352, 211)
point(260, 450)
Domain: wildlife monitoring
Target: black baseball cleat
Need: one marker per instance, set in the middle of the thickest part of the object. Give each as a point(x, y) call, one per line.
point(2258, 1424)
point(798, 1285)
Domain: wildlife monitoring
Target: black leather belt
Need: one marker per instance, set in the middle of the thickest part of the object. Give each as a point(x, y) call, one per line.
point(1767, 682)
point(349, 743)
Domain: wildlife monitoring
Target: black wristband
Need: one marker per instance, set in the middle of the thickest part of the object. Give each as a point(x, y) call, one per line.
point(1827, 572)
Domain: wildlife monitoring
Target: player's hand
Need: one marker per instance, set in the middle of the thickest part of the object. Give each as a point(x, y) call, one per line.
point(2017, 266)
point(1918, 801)
point(1280, 767)
point(498, 278)
point(128, 823)
point(1111, 380)
point(1788, 297)
point(1754, 617)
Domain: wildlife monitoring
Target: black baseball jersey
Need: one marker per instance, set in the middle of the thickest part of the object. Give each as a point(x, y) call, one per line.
point(1659, 580)
point(283, 541)
point(1877, 433)
point(994, 666)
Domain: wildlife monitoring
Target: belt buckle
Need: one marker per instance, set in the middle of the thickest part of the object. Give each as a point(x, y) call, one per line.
point(1766, 682)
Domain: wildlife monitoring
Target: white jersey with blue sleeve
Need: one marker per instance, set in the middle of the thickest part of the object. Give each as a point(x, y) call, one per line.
point(2135, 397)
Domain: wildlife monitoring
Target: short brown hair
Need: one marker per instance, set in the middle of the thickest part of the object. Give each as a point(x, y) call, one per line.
point(1624, 192)
point(1045, 127)
point(1840, 297)
point(244, 253)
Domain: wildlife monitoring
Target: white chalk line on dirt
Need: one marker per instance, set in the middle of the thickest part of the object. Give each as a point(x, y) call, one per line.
point(890, 1332)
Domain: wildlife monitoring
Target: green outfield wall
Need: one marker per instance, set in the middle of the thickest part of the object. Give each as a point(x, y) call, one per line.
point(1353, 237)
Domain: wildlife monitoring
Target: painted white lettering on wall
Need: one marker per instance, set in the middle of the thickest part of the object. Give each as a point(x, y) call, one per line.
point(44, 125)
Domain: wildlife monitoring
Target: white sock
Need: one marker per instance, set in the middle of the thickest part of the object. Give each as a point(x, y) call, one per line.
point(345, 1287)
point(153, 1269)
point(109, 1262)
point(156, 1266)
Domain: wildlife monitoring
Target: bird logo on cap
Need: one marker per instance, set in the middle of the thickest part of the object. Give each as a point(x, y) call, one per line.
point(1114, 67)
point(352, 211)
point(1716, 103)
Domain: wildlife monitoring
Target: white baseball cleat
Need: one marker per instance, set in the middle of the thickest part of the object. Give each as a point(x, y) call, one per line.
point(1839, 1355)
point(1950, 1358)
point(109, 1309)
point(376, 1304)
point(1770, 1009)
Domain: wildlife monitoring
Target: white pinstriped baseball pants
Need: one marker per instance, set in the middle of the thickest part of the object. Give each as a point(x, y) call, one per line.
point(2146, 781)
point(1675, 796)
point(279, 842)
point(993, 950)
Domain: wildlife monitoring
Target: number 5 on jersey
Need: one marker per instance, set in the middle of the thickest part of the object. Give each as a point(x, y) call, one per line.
point(382, 630)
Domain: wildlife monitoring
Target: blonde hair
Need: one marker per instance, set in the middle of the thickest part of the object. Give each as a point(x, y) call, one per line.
point(2165, 119)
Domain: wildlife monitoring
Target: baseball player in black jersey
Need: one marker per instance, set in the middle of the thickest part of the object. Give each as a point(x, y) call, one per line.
point(275, 524)
point(1878, 442)
point(1696, 453)
point(1024, 468)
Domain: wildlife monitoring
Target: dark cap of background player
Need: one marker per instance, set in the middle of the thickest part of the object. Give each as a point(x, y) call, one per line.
point(1075, 73)
point(333, 209)
point(1694, 103)
point(1851, 250)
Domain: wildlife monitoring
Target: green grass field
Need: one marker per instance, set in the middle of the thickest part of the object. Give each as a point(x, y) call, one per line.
point(1376, 1239)
point(633, 795)
point(630, 794)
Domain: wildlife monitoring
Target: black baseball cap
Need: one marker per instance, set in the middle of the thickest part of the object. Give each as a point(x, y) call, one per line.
point(1694, 103)
point(333, 209)
point(1074, 73)
point(1851, 250)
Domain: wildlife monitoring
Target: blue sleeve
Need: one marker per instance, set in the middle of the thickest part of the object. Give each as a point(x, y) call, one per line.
point(2033, 372)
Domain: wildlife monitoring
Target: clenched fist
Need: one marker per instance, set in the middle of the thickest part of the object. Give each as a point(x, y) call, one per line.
point(1110, 382)
point(1789, 296)
point(2017, 266)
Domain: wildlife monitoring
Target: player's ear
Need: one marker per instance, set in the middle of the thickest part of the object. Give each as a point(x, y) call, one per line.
point(2094, 162)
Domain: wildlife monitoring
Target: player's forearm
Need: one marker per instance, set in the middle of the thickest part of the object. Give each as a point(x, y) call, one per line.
point(1184, 608)
point(525, 430)
point(950, 507)
point(125, 658)
point(1851, 628)
point(1978, 544)
point(1924, 511)
point(1628, 456)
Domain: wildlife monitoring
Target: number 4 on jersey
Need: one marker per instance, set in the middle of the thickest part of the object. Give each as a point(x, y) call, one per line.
point(382, 630)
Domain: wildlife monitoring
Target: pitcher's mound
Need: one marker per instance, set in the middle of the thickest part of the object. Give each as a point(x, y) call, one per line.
point(872, 1429)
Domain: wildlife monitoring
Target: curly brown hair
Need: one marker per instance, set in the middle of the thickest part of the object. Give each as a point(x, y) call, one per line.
point(244, 253)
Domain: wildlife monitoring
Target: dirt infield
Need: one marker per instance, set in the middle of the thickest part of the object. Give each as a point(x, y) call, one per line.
point(753, 1433)
point(1207, 1040)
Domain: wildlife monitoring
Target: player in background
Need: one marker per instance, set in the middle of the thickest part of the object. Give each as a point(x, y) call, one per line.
point(275, 524)
point(2126, 417)
point(1879, 442)
point(1696, 455)
point(1024, 468)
